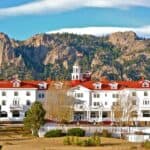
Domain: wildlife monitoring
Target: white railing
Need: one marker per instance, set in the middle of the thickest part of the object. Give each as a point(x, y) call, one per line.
point(16, 107)
point(90, 129)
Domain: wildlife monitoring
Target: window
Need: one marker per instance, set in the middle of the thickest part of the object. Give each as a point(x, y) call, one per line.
point(3, 93)
point(3, 114)
point(114, 85)
point(97, 85)
point(3, 102)
point(42, 85)
point(28, 93)
point(16, 84)
point(105, 94)
point(96, 103)
point(145, 84)
point(134, 113)
point(117, 95)
point(78, 95)
point(145, 93)
point(15, 114)
point(93, 115)
point(15, 93)
point(134, 102)
point(96, 95)
point(104, 114)
point(114, 95)
point(105, 103)
point(146, 113)
point(28, 103)
point(41, 95)
point(146, 102)
point(133, 93)
point(15, 102)
point(76, 76)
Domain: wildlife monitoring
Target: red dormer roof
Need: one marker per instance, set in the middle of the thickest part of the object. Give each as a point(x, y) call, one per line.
point(23, 84)
point(106, 85)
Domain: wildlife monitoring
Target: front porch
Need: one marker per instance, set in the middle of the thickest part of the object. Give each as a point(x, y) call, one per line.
point(92, 116)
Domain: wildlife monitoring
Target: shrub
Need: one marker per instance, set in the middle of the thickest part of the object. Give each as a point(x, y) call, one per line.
point(76, 132)
point(71, 140)
point(54, 133)
point(146, 144)
point(105, 133)
point(78, 141)
point(88, 142)
point(97, 140)
point(92, 141)
point(67, 141)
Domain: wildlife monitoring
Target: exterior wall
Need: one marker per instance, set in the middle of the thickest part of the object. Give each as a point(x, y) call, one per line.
point(19, 102)
point(104, 101)
point(143, 103)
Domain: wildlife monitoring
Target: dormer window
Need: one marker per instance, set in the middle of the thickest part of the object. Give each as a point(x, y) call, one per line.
point(97, 85)
point(42, 85)
point(145, 84)
point(16, 83)
point(58, 85)
point(113, 85)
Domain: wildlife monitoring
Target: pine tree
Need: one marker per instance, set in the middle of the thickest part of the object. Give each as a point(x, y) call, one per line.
point(35, 118)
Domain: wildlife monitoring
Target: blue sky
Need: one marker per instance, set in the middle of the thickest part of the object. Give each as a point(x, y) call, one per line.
point(21, 19)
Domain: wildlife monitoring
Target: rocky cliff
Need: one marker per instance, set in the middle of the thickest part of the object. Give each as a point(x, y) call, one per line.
point(121, 55)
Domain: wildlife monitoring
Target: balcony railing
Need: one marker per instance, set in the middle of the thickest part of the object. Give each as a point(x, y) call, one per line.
point(16, 107)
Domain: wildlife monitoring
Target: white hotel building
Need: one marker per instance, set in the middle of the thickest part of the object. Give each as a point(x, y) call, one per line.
point(94, 100)
point(17, 96)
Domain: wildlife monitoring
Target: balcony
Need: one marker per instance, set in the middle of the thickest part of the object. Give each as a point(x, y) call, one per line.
point(16, 107)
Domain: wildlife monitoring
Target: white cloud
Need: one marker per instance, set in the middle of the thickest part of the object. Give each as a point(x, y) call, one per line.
point(53, 6)
point(100, 31)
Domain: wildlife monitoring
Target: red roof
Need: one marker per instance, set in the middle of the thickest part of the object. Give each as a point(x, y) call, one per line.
point(22, 84)
point(106, 85)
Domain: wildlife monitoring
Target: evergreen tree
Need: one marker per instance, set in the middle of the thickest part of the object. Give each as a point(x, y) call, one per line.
point(35, 118)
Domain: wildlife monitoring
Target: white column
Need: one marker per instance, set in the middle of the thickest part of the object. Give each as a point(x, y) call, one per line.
point(100, 115)
point(88, 115)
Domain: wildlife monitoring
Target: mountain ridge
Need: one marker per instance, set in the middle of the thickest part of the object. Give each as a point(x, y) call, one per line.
point(121, 55)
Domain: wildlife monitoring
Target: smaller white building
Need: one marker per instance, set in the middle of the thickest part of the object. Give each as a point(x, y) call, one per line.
point(17, 96)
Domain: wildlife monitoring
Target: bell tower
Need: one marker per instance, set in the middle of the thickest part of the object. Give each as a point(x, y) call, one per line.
point(76, 74)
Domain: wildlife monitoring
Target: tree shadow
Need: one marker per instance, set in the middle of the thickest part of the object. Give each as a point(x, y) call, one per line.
point(110, 144)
